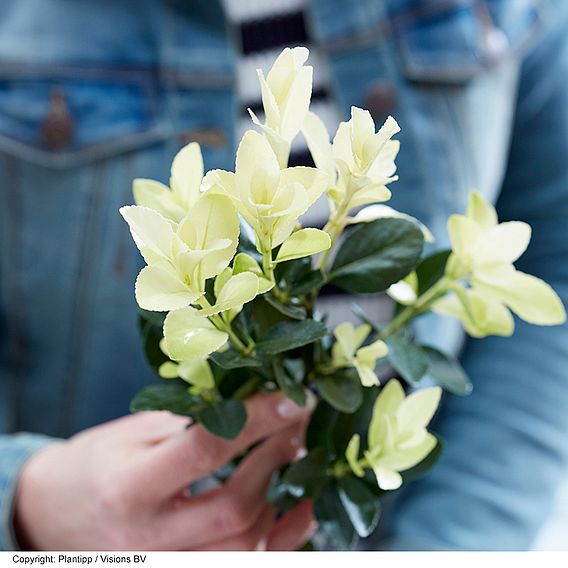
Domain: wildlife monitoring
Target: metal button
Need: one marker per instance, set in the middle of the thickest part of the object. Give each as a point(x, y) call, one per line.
point(380, 100)
point(57, 128)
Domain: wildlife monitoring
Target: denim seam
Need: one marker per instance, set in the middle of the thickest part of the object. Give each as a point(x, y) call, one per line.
point(111, 147)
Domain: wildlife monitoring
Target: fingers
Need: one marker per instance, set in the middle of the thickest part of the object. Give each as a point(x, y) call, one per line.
point(190, 455)
point(234, 509)
point(253, 539)
point(140, 428)
point(294, 529)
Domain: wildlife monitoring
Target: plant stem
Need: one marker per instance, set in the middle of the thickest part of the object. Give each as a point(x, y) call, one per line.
point(247, 389)
point(221, 325)
point(341, 468)
point(422, 303)
point(268, 270)
point(334, 227)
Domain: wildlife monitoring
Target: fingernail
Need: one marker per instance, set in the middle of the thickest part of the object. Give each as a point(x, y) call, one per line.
point(300, 453)
point(311, 400)
point(287, 409)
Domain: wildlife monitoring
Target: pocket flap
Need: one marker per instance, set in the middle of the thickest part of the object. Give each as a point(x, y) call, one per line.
point(68, 121)
point(452, 41)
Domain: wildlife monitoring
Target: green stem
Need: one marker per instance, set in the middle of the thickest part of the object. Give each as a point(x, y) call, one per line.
point(334, 227)
point(247, 389)
point(268, 270)
point(221, 325)
point(422, 303)
point(341, 469)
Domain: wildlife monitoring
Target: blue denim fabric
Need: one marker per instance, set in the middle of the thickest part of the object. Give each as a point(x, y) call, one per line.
point(141, 78)
point(14, 451)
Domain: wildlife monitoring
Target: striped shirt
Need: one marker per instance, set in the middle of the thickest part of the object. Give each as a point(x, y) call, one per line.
point(262, 29)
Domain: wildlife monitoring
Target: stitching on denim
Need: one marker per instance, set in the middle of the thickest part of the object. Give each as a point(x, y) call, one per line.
point(88, 153)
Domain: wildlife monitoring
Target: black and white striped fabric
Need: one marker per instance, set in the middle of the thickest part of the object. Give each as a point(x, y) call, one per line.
point(262, 29)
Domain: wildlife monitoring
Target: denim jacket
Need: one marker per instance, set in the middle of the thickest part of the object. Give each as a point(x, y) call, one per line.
point(97, 92)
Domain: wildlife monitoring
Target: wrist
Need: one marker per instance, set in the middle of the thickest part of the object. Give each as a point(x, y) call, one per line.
point(25, 516)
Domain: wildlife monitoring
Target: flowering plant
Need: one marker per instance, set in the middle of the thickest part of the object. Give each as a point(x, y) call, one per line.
point(229, 299)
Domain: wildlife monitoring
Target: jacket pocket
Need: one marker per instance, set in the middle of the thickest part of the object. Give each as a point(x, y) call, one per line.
point(452, 41)
point(65, 121)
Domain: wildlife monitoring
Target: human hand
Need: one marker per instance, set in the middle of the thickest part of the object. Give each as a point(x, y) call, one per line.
point(123, 485)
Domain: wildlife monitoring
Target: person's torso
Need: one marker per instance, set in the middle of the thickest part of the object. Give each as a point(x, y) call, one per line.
point(93, 94)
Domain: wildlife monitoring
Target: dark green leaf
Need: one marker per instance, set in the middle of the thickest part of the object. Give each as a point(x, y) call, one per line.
point(431, 269)
point(150, 326)
point(305, 478)
point(342, 390)
point(425, 465)
point(446, 373)
point(360, 313)
point(231, 359)
point(288, 335)
point(334, 521)
point(154, 318)
point(288, 384)
point(407, 357)
point(225, 418)
point(298, 277)
point(360, 504)
point(289, 310)
point(377, 254)
point(320, 428)
point(307, 547)
point(278, 494)
point(313, 279)
point(171, 395)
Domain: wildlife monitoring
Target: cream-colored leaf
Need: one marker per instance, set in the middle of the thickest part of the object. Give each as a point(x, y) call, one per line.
point(341, 146)
point(352, 455)
point(464, 235)
point(187, 172)
point(221, 280)
point(305, 242)
point(406, 458)
point(159, 289)
point(481, 211)
point(297, 103)
point(238, 290)
point(387, 479)
point(531, 299)
point(168, 370)
point(505, 242)
point(317, 138)
point(314, 182)
point(271, 110)
point(197, 372)
point(416, 411)
point(157, 196)
point(212, 225)
point(150, 230)
point(389, 399)
point(189, 335)
point(253, 154)
point(367, 374)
